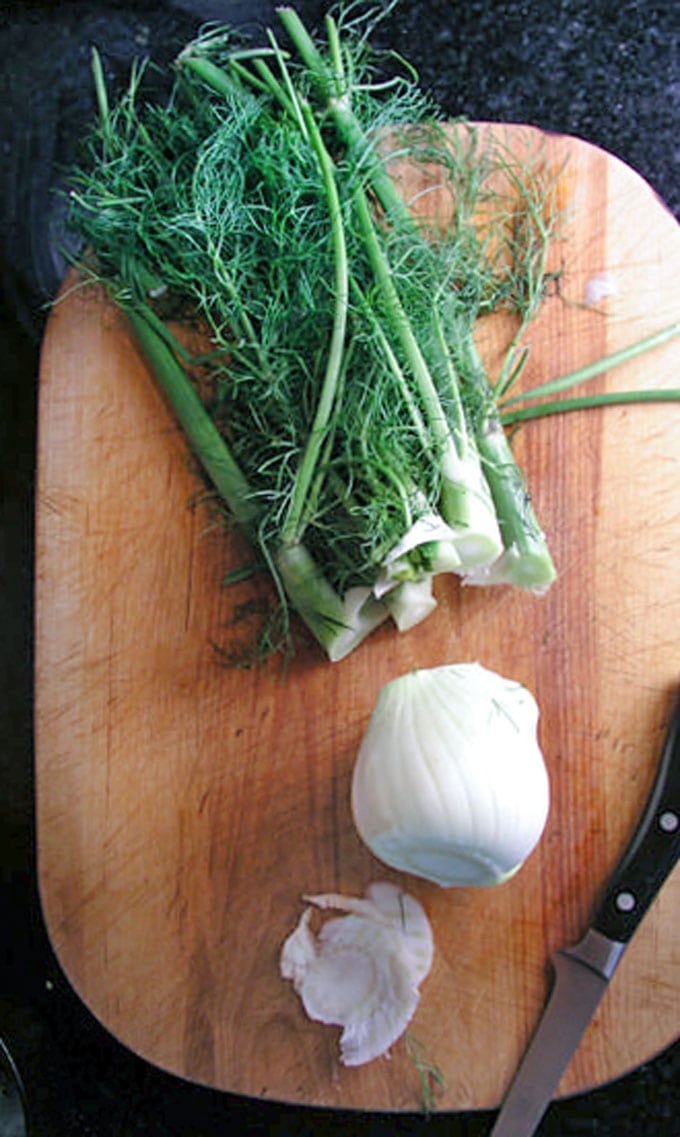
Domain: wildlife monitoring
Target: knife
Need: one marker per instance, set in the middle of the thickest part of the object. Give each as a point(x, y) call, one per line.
point(583, 971)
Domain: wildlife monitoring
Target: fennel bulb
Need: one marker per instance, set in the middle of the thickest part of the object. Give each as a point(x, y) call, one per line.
point(449, 782)
point(364, 969)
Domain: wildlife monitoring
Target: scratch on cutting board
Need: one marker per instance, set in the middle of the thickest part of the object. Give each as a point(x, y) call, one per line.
point(190, 573)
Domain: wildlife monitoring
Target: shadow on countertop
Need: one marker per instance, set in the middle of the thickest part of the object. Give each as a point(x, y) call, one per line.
point(607, 72)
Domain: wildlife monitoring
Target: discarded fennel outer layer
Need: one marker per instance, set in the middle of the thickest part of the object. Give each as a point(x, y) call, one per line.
point(339, 375)
point(364, 969)
point(449, 782)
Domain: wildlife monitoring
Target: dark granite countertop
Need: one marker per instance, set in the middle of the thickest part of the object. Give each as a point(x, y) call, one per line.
point(605, 71)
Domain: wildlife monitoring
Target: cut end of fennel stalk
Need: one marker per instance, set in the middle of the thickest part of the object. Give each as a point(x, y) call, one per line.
point(338, 623)
point(363, 970)
point(532, 570)
point(470, 514)
point(411, 603)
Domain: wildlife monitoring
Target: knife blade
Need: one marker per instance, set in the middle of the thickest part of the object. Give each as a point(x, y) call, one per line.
point(583, 971)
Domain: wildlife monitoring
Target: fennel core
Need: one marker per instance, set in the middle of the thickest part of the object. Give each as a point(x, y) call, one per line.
point(341, 411)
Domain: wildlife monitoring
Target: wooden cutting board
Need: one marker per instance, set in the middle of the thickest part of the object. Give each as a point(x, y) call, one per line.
point(183, 808)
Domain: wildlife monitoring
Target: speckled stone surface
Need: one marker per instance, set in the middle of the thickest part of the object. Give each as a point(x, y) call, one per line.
point(604, 71)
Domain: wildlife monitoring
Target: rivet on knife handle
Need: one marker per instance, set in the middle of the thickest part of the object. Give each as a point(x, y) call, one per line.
point(652, 852)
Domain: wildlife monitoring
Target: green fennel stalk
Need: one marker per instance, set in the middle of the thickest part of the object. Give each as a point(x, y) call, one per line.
point(467, 493)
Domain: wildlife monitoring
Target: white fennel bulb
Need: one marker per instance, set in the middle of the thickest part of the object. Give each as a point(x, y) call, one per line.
point(450, 782)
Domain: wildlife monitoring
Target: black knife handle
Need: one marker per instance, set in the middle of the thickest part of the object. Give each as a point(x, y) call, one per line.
point(653, 851)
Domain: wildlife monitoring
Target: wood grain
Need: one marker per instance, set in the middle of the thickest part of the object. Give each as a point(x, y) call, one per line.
point(183, 808)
